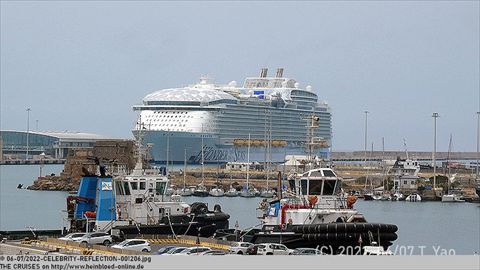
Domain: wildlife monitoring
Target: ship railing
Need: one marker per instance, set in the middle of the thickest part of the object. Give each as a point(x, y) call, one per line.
point(333, 202)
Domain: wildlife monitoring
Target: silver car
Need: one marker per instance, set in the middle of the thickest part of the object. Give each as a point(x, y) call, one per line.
point(240, 248)
point(96, 238)
point(72, 236)
point(134, 244)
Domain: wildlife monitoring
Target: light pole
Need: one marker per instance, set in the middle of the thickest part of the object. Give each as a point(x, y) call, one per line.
point(435, 116)
point(28, 131)
point(365, 142)
point(478, 141)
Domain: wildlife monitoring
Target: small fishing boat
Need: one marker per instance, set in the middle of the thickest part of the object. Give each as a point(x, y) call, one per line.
point(201, 191)
point(232, 192)
point(414, 197)
point(217, 192)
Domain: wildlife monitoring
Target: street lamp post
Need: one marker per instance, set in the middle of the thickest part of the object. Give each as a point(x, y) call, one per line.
point(435, 116)
point(478, 142)
point(28, 131)
point(365, 137)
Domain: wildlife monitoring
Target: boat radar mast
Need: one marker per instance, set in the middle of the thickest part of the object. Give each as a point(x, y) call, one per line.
point(313, 141)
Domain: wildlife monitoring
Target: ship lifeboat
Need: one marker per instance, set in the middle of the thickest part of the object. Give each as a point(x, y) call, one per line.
point(279, 143)
point(90, 214)
point(257, 143)
point(240, 142)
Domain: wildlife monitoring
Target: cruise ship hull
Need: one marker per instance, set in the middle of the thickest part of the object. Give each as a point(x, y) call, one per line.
point(172, 146)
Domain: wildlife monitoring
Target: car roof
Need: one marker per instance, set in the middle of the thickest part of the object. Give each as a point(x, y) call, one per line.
point(135, 240)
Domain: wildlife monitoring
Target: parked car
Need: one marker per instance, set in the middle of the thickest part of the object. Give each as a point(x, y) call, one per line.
point(134, 244)
point(306, 251)
point(174, 251)
point(240, 247)
point(273, 249)
point(193, 250)
point(164, 250)
point(72, 236)
point(212, 253)
point(96, 238)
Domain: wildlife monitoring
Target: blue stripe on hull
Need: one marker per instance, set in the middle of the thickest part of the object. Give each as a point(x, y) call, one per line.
point(214, 152)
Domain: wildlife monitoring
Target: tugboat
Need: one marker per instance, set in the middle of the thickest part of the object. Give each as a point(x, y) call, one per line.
point(137, 204)
point(318, 215)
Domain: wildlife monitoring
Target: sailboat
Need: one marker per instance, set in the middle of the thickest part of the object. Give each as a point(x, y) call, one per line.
point(217, 192)
point(185, 191)
point(246, 192)
point(232, 192)
point(368, 193)
point(267, 192)
point(201, 190)
point(451, 196)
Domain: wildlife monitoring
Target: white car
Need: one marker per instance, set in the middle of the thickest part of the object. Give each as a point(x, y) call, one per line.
point(134, 244)
point(240, 248)
point(96, 238)
point(273, 249)
point(72, 236)
point(193, 251)
point(174, 251)
point(306, 251)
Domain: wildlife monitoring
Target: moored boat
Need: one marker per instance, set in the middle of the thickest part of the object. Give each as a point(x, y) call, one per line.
point(217, 192)
point(137, 203)
point(232, 192)
point(318, 215)
point(414, 197)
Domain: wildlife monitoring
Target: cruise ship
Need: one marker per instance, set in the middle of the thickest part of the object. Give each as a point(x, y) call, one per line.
point(211, 123)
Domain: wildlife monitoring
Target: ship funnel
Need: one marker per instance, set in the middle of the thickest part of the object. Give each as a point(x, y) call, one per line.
point(263, 73)
point(279, 72)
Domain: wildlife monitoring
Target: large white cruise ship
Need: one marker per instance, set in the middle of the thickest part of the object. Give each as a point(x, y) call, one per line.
point(274, 111)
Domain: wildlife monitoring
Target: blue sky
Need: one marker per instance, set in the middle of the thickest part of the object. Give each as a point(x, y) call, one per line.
point(80, 66)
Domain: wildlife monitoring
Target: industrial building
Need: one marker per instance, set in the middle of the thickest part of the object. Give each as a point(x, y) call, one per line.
point(28, 145)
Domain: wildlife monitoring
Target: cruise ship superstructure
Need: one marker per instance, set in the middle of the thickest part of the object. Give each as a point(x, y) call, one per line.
point(274, 111)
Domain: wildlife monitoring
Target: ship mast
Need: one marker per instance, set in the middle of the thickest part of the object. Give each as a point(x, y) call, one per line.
point(312, 141)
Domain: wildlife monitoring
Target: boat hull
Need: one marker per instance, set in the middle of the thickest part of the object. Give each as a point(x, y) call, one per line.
point(204, 225)
point(214, 150)
point(330, 238)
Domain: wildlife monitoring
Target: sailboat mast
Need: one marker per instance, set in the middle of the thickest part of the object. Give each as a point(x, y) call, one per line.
point(203, 171)
point(168, 148)
point(384, 168)
point(269, 146)
point(184, 167)
point(248, 160)
point(448, 160)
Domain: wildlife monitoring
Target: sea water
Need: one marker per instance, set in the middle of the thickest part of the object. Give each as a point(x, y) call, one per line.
point(423, 227)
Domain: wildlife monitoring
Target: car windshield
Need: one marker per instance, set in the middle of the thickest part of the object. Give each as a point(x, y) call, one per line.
point(165, 249)
point(177, 250)
point(123, 243)
point(73, 235)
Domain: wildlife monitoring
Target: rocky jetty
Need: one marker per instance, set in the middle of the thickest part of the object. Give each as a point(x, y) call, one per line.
point(114, 154)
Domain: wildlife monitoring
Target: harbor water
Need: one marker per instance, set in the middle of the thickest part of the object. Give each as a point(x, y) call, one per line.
point(424, 228)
